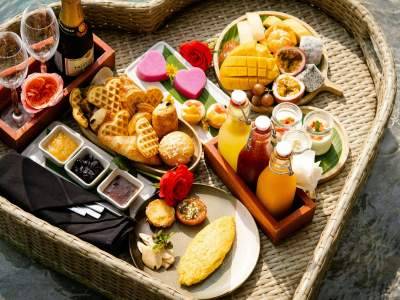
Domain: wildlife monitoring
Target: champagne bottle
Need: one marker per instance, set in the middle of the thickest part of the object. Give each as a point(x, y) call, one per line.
point(75, 51)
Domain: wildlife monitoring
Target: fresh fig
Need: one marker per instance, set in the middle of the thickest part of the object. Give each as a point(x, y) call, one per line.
point(287, 88)
point(291, 60)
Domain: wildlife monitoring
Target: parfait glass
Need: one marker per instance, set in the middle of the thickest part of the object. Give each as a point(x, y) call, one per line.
point(13, 70)
point(40, 32)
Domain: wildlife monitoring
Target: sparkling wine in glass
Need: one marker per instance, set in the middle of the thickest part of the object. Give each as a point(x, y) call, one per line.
point(40, 32)
point(13, 70)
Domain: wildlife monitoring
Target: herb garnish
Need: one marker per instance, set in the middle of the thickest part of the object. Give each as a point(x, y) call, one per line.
point(162, 241)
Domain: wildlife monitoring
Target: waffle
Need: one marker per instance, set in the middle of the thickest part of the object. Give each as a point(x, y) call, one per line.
point(154, 96)
point(148, 99)
point(147, 139)
point(118, 126)
point(75, 99)
point(137, 116)
point(110, 96)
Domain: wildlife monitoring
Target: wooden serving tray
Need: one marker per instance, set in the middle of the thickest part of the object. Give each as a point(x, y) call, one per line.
point(277, 230)
point(19, 138)
point(230, 32)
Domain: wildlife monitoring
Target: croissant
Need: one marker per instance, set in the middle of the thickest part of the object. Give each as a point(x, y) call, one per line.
point(127, 146)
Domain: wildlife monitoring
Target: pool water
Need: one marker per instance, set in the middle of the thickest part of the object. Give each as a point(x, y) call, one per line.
point(9, 8)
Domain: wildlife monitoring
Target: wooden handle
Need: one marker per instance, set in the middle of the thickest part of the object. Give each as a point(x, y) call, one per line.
point(331, 87)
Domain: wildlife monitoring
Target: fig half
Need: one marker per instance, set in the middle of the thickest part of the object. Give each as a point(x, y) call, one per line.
point(291, 60)
point(287, 88)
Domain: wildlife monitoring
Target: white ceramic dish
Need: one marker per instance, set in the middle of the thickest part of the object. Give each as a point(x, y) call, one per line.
point(84, 151)
point(117, 172)
point(45, 141)
point(211, 88)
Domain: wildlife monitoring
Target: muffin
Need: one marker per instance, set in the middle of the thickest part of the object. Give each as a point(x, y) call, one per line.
point(160, 214)
point(176, 148)
point(193, 111)
point(216, 115)
point(165, 118)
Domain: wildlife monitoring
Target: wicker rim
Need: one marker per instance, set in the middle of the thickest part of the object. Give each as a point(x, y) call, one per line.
point(366, 32)
point(385, 81)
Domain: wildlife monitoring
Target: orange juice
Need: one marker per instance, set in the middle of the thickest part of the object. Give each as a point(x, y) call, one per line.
point(276, 186)
point(235, 131)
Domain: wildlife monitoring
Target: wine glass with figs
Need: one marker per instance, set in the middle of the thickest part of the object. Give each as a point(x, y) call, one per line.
point(13, 70)
point(40, 32)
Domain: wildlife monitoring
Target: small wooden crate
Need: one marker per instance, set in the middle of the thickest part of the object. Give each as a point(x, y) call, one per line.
point(303, 208)
point(19, 138)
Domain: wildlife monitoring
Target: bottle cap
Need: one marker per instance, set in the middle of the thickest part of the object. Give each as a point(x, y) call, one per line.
point(263, 123)
point(238, 97)
point(284, 148)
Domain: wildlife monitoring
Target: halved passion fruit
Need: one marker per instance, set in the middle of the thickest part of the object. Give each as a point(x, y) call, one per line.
point(287, 88)
point(41, 90)
point(291, 60)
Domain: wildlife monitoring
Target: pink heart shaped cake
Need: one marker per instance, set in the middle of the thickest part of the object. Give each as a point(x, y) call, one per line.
point(152, 67)
point(190, 83)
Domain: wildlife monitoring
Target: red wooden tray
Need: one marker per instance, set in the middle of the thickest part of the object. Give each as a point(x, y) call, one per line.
point(19, 138)
point(277, 230)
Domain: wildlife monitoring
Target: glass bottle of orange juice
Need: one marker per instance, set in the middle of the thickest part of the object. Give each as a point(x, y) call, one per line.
point(276, 185)
point(233, 134)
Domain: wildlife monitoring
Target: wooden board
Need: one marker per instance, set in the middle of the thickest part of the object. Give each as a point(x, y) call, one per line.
point(157, 170)
point(19, 138)
point(277, 230)
point(323, 66)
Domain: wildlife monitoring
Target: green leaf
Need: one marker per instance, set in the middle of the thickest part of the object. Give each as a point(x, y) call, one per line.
point(121, 162)
point(330, 159)
point(206, 98)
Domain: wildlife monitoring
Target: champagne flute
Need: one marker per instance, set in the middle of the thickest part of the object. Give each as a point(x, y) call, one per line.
point(40, 32)
point(13, 70)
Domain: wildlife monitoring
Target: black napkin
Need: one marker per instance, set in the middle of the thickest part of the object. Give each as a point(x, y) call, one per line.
point(47, 196)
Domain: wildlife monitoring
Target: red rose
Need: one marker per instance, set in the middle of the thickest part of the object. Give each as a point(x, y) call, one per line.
point(176, 184)
point(197, 54)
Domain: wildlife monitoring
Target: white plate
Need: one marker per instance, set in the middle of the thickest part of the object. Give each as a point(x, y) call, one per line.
point(237, 265)
point(214, 90)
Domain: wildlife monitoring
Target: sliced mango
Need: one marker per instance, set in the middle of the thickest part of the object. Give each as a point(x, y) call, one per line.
point(271, 20)
point(246, 65)
point(298, 28)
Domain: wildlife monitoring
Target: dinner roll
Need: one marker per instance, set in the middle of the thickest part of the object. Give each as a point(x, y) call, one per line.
point(176, 148)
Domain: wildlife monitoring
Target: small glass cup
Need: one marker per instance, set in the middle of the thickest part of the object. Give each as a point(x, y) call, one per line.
point(286, 116)
point(319, 125)
point(299, 139)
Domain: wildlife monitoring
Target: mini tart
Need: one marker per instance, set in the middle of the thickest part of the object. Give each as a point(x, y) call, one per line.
point(216, 115)
point(160, 214)
point(191, 211)
point(193, 111)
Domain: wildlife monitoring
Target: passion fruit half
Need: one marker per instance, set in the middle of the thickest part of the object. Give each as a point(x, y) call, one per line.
point(287, 88)
point(291, 60)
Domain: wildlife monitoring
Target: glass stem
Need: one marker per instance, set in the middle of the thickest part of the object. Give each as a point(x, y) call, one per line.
point(43, 67)
point(14, 98)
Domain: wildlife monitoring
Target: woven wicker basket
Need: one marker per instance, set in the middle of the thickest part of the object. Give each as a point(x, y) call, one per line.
point(360, 61)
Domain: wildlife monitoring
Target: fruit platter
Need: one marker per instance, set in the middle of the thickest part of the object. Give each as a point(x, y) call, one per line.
point(275, 57)
point(191, 162)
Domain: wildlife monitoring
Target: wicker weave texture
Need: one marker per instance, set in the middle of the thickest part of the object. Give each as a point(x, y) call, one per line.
point(360, 62)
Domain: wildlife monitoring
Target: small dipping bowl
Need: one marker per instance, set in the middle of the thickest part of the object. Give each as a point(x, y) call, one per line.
point(45, 142)
point(109, 186)
point(86, 150)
